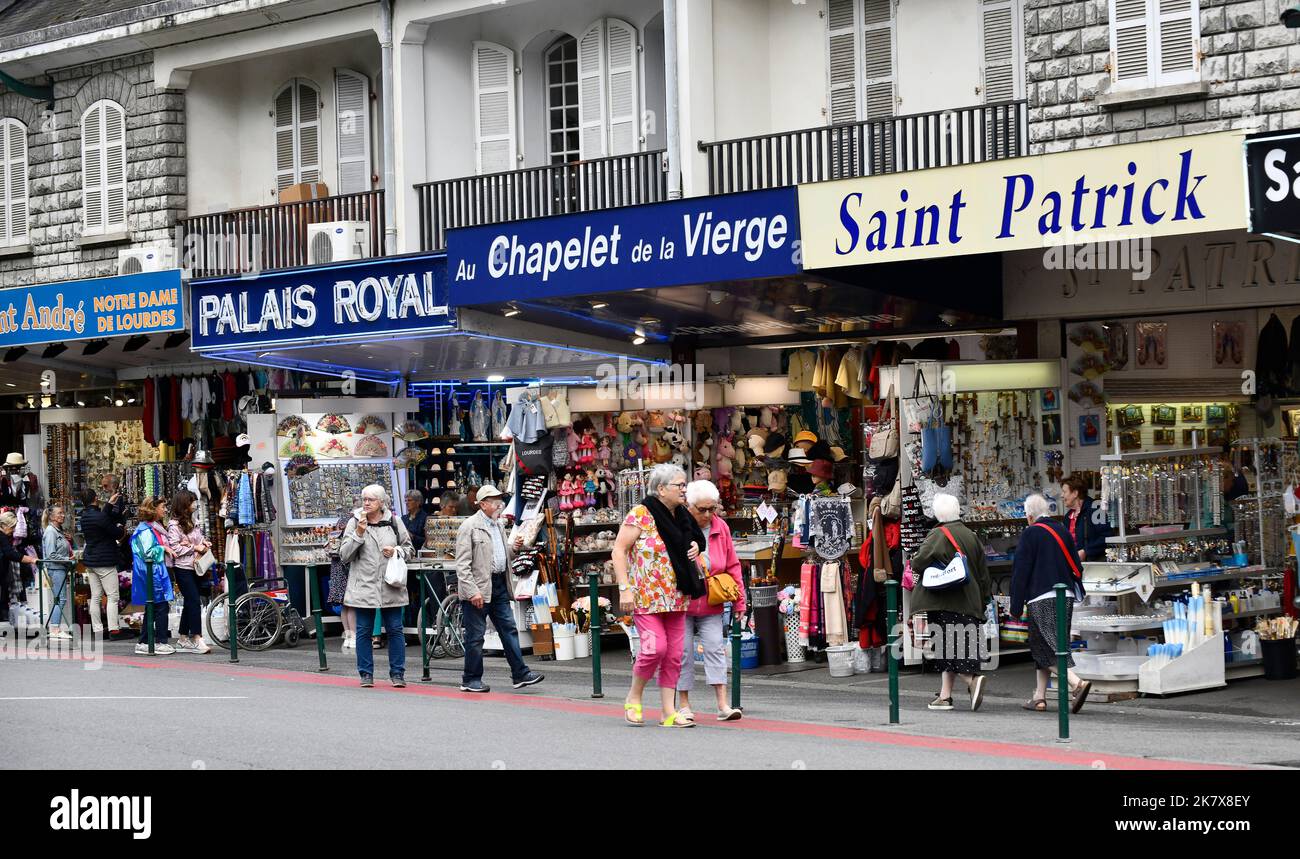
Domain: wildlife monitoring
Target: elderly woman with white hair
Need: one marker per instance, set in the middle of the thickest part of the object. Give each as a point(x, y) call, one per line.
point(655, 562)
point(1045, 557)
point(954, 615)
point(702, 618)
point(374, 535)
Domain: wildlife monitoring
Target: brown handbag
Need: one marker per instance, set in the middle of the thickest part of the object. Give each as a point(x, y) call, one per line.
point(881, 569)
point(884, 439)
point(722, 589)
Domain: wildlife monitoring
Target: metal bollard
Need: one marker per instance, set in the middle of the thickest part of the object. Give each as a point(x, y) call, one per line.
point(891, 620)
point(313, 582)
point(735, 658)
point(422, 618)
point(43, 629)
point(593, 581)
point(232, 623)
point(1062, 666)
point(148, 606)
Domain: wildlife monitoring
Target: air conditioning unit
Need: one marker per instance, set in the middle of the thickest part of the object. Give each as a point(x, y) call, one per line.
point(337, 241)
point(146, 258)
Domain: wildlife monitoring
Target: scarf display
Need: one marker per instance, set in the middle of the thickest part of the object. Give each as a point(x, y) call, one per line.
point(678, 530)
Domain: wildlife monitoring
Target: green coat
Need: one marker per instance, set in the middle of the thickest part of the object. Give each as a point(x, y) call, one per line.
point(936, 551)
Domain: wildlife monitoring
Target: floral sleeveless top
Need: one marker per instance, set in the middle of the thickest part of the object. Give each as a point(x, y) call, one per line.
point(654, 584)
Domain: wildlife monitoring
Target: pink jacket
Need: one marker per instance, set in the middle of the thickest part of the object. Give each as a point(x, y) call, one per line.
point(722, 557)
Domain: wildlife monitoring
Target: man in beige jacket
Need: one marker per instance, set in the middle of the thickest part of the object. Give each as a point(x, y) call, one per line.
point(483, 584)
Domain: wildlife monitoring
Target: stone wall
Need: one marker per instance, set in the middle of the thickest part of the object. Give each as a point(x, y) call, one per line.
point(155, 129)
point(1250, 62)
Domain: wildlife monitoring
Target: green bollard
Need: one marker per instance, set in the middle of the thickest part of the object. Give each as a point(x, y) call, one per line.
point(422, 618)
point(891, 620)
point(43, 629)
point(313, 582)
point(1062, 665)
point(735, 658)
point(148, 606)
point(232, 623)
point(593, 582)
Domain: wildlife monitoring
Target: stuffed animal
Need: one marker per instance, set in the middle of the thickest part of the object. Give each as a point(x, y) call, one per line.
point(660, 450)
point(737, 425)
point(603, 455)
point(655, 422)
point(726, 452)
point(703, 472)
point(722, 419)
point(703, 422)
point(625, 422)
point(609, 425)
point(606, 491)
point(767, 418)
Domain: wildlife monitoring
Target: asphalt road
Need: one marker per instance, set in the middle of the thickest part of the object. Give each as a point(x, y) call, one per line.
point(186, 712)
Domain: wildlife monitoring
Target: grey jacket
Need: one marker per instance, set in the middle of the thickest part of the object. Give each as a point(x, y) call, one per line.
point(364, 554)
point(54, 546)
point(474, 556)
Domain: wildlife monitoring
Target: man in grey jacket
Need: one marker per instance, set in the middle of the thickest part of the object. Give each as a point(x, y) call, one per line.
point(483, 584)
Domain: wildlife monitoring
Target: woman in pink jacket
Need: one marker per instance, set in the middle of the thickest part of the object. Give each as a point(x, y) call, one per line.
point(701, 618)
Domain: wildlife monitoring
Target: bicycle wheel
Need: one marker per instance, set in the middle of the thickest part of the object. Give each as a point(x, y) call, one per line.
point(260, 620)
point(428, 621)
point(452, 629)
point(217, 622)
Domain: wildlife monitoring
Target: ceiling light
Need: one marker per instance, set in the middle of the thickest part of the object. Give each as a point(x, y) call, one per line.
point(54, 350)
point(10, 385)
point(599, 305)
point(496, 378)
point(175, 339)
point(131, 399)
point(119, 402)
point(649, 320)
point(511, 310)
point(81, 403)
point(136, 343)
point(638, 340)
point(813, 286)
point(94, 347)
point(15, 353)
point(800, 308)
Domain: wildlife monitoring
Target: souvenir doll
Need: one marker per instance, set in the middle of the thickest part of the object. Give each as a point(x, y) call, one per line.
point(604, 453)
point(589, 487)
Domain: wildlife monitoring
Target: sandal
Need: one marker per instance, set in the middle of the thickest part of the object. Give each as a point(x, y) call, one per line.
point(630, 710)
point(1080, 695)
point(677, 720)
point(1038, 705)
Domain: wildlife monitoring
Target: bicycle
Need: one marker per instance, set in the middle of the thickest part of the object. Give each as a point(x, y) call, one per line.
point(442, 622)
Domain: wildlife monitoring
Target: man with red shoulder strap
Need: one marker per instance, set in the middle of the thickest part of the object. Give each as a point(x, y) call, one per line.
point(1045, 557)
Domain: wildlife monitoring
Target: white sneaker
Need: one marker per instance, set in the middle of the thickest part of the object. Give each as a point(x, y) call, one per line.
point(184, 645)
point(61, 635)
point(158, 649)
point(201, 646)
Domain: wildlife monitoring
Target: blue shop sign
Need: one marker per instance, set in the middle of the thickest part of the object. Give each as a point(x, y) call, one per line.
point(698, 240)
point(363, 299)
point(147, 303)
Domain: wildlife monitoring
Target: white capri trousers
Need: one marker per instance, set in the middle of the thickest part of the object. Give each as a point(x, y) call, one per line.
point(710, 630)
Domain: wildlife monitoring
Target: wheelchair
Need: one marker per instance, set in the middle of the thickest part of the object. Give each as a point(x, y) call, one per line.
point(263, 611)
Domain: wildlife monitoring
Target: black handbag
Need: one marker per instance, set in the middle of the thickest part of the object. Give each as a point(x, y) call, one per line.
point(537, 457)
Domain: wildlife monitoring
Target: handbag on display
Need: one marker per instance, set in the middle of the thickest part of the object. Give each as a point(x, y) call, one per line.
point(537, 457)
point(884, 438)
point(919, 410)
point(881, 569)
point(891, 505)
point(936, 447)
point(954, 575)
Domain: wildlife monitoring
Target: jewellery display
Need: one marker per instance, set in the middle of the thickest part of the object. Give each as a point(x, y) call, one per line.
point(440, 535)
point(334, 488)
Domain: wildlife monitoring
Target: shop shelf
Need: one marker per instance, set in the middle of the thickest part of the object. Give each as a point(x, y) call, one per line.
point(1256, 612)
point(597, 552)
point(1245, 573)
point(1154, 622)
point(1108, 666)
point(1139, 455)
point(1166, 537)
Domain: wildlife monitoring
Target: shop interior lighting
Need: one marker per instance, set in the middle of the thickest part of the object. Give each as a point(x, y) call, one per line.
point(511, 310)
point(135, 343)
point(81, 402)
point(599, 305)
point(54, 350)
point(176, 338)
point(800, 308)
point(94, 347)
point(15, 353)
point(10, 385)
point(639, 337)
point(496, 377)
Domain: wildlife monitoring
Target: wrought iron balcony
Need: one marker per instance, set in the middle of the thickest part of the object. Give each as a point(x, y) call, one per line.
point(271, 237)
point(965, 135)
point(537, 192)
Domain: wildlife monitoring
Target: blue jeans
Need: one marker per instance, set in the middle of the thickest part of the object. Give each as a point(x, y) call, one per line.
point(59, 587)
point(392, 618)
point(501, 611)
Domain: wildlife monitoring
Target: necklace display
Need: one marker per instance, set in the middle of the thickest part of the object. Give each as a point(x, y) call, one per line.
point(995, 436)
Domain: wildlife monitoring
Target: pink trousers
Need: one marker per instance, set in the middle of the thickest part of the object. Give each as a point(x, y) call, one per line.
point(662, 638)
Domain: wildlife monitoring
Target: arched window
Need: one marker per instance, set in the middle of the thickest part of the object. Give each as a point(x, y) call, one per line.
point(562, 100)
point(13, 182)
point(297, 134)
point(103, 167)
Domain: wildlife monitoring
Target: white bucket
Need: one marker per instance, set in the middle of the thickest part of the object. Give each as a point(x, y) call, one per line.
point(840, 660)
point(564, 649)
point(582, 645)
point(861, 660)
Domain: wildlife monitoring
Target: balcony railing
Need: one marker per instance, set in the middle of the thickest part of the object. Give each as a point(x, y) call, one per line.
point(272, 237)
point(962, 136)
point(557, 189)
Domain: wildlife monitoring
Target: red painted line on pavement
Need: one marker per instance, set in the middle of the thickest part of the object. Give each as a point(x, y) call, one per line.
point(985, 748)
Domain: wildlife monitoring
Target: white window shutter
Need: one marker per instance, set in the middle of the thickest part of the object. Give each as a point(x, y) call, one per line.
point(878, 59)
point(623, 87)
point(92, 169)
point(494, 100)
point(591, 92)
point(352, 118)
point(4, 180)
point(1132, 64)
point(999, 66)
point(842, 51)
point(114, 166)
point(1178, 39)
point(16, 185)
point(284, 138)
point(308, 133)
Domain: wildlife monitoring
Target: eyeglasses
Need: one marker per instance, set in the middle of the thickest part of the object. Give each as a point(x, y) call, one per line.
point(707, 511)
point(678, 485)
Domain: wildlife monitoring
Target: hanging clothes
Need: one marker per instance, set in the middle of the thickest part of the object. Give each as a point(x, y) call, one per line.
point(246, 508)
point(147, 415)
